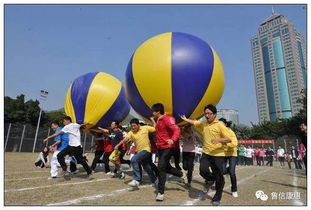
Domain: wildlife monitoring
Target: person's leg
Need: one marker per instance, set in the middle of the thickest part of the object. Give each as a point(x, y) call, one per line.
point(97, 156)
point(217, 165)
point(190, 162)
point(145, 162)
point(153, 167)
point(106, 161)
point(135, 161)
point(295, 162)
point(305, 162)
point(176, 154)
point(232, 166)
point(185, 161)
point(171, 170)
point(122, 154)
point(77, 152)
point(61, 158)
point(54, 164)
point(164, 158)
point(204, 168)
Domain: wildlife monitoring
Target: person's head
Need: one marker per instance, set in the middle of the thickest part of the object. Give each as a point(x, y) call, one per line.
point(54, 125)
point(134, 124)
point(280, 147)
point(293, 147)
point(67, 120)
point(303, 126)
point(45, 150)
point(210, 112)
point(114, 125)
point(248, 146)
point(157, 110)
point(223, 121)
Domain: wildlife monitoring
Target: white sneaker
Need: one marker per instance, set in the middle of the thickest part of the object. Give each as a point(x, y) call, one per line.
point(235, 194)
point(134, 183)
point(122, 175)
point(184, 178)
point(75, 172)
point(110, 173)
point(160, 197)
point(53, 177)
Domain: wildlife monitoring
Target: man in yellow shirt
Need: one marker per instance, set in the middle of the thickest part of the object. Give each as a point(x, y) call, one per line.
point(231, 158)
point(215, 137)
point(140, 136)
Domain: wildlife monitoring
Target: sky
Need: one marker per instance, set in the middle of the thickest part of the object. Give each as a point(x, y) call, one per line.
point(48, 46)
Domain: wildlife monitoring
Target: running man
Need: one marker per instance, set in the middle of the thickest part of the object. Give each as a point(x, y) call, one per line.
point(74, 147)
point(215, 135)
point(167, 135)
point(140, 136)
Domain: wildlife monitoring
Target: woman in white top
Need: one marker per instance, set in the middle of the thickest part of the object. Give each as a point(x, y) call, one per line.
point(281, 157)
point(249, 155)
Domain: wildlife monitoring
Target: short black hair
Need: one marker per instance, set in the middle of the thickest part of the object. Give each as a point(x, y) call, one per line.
point(134, 121)
point(55, 122)
point(116, 122)
point(211, 107)
point(223, 120)
point(158, 107)
point(68, 118)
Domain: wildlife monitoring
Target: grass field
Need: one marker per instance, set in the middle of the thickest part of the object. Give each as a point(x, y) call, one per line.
point(26, 185)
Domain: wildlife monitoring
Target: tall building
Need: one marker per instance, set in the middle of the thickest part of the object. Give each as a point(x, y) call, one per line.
point(279, 62)
point(229, 115)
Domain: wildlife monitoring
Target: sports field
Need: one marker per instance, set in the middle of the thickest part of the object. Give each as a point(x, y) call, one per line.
point(27, 185)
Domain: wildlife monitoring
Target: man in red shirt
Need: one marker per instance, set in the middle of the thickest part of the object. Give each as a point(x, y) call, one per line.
point(167, 137)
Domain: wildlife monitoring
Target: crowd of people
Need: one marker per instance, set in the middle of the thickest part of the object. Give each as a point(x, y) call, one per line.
point(209, 142)
point(260, 156)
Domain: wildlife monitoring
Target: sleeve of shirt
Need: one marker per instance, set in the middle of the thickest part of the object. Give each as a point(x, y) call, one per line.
point(66, 129)
point(170, 123)
point(150, 129)
point(234, 140)
point(129, 135)
point(224, 132)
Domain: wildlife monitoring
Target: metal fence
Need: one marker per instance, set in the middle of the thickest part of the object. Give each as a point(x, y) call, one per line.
point(21, 138)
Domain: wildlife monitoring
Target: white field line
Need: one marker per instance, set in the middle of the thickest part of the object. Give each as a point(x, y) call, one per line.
point(21, 179)
point(295, 201)
point(94, 197)
point(113, 193)
point(55, 185)
point(194, 201)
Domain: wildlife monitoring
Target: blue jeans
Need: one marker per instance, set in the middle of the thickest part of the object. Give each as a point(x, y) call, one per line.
point(142, 158)
point(231, 170)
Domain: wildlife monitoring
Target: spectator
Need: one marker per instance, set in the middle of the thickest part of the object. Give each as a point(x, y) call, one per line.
point(241, 152)
point(288, 159)
point(281, 158)
point(262, 154)
point(294, 153)
point(269, 155)
point(249, 156)
point(43, 158)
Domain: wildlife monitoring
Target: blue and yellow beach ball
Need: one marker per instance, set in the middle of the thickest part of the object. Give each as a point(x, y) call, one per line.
point(178, 70)
point(96, 98)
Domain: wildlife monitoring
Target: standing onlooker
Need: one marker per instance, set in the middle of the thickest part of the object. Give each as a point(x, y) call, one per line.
point(302, 153)
point(249, 156)
point(99, 151)
point(270, 155)
point(262, 154)
point(257, 151)
point(288, 159)
point(281, 158)
point(294, 153)
point(241, 152)
point(303, 128)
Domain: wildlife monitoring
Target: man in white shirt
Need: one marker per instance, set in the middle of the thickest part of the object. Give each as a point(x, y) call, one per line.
point(281, 157)
point(74, 147)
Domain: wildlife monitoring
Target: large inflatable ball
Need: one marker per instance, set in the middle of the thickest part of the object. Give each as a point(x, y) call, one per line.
point(178, 70)
point(96, 98)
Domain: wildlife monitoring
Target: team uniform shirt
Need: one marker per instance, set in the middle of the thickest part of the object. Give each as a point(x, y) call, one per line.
point(214, 130)
point(166, 129)
point(108, 145)
point(63, 138)
point(141, 138)
point(262, 153)
point(73, 130)
point(242, 151)
point(116, 137)
point(231, 148)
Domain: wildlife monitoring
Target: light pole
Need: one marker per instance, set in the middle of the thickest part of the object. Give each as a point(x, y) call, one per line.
point(43, 96)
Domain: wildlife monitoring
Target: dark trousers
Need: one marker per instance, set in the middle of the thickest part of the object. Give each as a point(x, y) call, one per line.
point(261, 161)
point(98, 154)
point(177, 158)
point(270, 160)
point(106, 161)
point(231, 171)
point(216, 164)
point(242, 160)
point(289, 164)
point(77, 153)
point(305, 161)
point(258, 160)
point(40, 163)
point(164, 167)
point(154, 168)
point(188, 164)
point(297, 163)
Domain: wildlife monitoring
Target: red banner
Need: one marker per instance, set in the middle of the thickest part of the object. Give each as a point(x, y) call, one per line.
point(255, 141)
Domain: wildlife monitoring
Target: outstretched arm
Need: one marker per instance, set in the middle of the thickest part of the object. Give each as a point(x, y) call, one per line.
point(53, 135)
point(184, 118)
point(103, 130)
